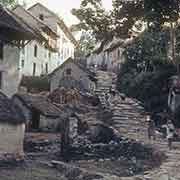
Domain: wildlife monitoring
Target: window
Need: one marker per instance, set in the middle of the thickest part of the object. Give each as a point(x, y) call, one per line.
point(41, 17)
point(46, 68)
point(119, 53)
point(1, 51)
point(35, 50)
point(22, 63)
point(34, 69)
point(0, 80)
point(49, 54)
point(68, 71)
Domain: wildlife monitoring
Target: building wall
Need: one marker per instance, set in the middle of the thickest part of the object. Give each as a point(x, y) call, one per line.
point(76, 74)
point(44, 56)
point(112, 59)
point(66, 47)
point(11, 138)
point(9, 67)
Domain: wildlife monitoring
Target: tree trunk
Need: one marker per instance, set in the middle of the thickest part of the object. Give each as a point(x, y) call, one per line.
point(173, 46)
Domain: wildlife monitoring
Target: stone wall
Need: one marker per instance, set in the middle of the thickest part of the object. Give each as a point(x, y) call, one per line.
point(11, 138)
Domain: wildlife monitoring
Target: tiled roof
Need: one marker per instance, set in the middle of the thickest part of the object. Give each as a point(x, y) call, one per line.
point(40, 103)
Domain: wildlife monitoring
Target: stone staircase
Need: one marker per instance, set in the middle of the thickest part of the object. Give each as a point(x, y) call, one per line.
point(128, 118)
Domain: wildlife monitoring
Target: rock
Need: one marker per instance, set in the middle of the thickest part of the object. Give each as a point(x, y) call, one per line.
point(75, 173)
point(101, 133)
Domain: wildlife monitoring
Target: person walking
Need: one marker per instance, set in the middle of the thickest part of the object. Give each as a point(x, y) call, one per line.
point(170, 136)
point(151, 128)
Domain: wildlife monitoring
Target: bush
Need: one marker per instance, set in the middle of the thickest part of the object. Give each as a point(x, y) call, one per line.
point(149, 87)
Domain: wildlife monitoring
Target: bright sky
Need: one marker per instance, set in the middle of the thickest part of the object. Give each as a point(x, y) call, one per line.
point(63, 7)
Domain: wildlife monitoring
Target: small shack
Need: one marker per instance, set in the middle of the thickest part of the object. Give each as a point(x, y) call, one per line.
point(12, 127)
point(40, 114)
point(72, 74)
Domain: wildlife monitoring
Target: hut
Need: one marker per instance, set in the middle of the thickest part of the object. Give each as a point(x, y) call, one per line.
point(72, 74)
point(40, 114)
point(12, 127)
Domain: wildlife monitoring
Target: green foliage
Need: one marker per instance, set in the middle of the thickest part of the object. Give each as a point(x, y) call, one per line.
point(93, 18)
point(8, 3)
point(86, 44)
point(125, 14)
point(105, 24)
point(161, 11)
point(149, 87)
point(149, 51)
point(145, 73)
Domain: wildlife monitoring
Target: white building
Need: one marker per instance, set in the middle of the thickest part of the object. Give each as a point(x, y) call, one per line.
point(109, 55)
point(37, 59)
point(66, 42)
point(52, 45)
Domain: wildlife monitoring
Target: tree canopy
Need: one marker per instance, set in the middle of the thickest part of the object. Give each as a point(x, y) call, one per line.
point(117, 22)
point(8, 3)
point(161, 10)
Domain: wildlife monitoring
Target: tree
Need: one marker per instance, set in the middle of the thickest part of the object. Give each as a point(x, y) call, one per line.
point(105, 24)
point(93, 17)
point(125, 14)
point(159, 12)
point(86, 44)
point(8, 3)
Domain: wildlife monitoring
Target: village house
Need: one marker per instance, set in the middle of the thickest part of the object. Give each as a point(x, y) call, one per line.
point(66, 43)
point(34, 59)
point(72, 74)
point(12, 128)
point(113, 55)
point(40, 114)
point(14, 33)
point(35, 56)
point(109, 55)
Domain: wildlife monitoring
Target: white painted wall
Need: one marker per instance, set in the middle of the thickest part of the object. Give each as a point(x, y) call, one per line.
point(11, 139)
point(9, 66)
point(44, 56)
point(66, 47)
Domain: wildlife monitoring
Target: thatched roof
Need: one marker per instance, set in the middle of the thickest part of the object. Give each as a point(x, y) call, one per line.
point(9, 112)
point(39, 103)
point(13, 28)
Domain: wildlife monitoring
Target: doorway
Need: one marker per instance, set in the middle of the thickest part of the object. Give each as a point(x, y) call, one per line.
point(35, 121)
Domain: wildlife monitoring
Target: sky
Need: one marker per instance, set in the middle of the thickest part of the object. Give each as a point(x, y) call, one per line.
point(63, 7)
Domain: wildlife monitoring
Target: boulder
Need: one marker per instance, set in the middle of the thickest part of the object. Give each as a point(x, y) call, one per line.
point(102, 133)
